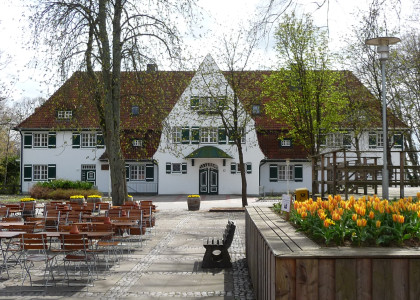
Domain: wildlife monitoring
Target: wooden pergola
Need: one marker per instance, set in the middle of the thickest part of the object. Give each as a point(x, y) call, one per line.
point(343, 171)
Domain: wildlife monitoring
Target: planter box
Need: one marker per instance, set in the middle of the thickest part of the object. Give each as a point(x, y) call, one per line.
point(285, 264)
point(194, 203)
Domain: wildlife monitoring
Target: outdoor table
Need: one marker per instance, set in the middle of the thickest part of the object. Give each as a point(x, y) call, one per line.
point(9, 235)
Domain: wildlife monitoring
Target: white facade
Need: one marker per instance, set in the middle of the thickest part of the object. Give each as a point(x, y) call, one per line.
point(222, 177)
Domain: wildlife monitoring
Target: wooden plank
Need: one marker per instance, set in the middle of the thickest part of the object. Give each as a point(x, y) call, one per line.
point(345, 279)
point(381, 278)
point(326, 279)
point(414, 279)
point(399, 275)
point(364, 278)
point(285, 279)
point(307, 279)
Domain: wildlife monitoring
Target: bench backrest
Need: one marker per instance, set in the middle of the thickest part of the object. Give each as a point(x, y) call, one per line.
point(229, 233)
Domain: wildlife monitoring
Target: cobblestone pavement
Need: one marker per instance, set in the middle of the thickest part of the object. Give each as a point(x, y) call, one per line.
point(168, 265)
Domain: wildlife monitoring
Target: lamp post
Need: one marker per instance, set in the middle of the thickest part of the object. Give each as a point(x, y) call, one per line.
point(382, 44)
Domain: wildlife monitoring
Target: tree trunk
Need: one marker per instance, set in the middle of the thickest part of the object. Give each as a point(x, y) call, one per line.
point(243, 174)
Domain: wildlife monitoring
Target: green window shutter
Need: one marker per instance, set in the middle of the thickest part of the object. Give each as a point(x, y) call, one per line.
point(194, 103)
point(185, 135)
point(127, 172)
point(298, 173)
point(76, 140)
point(222, 135)
point(168, 168)
point(233, 168)
point(231, 137)
point(273, 173)
point(372, 140)
point(52, 172)
point(52, 140)
point(27, 140)
point(398, 140)
point(27, 173)
point(249, 168)
point(195, 135)
point(347, 140)
point(184, 168)
point(100, 143)
point(222, 103)
point(150, 172)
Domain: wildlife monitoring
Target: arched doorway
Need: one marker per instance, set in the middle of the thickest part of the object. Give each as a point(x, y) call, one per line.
point(209, 179)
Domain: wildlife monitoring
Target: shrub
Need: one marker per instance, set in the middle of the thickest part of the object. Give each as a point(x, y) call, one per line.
point(65, 184)
point(39, 192)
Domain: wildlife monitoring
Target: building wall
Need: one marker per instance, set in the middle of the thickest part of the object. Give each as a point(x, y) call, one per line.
point(207, 82)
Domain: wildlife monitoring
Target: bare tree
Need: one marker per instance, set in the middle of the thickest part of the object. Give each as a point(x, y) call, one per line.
point(110, 36)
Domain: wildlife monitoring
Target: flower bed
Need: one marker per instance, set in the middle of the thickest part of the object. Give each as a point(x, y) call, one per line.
point(366, 221)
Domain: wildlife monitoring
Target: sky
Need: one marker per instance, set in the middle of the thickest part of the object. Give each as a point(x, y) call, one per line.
point(22, 74)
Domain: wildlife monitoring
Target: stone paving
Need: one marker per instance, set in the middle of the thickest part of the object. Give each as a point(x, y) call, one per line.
point(168, 265)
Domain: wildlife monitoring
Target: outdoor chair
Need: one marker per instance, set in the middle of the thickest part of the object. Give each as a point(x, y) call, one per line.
point(34, 249)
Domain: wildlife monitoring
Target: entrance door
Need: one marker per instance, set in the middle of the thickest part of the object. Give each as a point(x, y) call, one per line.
point(89, 173)
point(209, 179)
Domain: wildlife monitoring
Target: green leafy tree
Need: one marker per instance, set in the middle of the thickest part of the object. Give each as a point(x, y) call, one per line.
point(306, 96)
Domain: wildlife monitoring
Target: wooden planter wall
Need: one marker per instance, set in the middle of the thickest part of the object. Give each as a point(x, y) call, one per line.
point(284, 264)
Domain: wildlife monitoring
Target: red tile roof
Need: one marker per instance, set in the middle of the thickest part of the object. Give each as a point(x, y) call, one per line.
point(156, 93)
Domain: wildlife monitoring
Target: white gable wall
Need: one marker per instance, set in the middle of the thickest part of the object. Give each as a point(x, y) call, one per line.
point(207, 82)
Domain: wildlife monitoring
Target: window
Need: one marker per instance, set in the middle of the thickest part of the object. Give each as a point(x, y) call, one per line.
point(137, 143)
point(285, 172)
point(40, 172)
point(207, 104)
point(398, 140)
point(208, 135)
point(64, 114)
point(347, 140)
point(137, 172)
point(334, 140)
point(135, 110)
point(286, 143)
point(40, 140)
point(176, 168)
point(376, 139)
point(176, 134)
point(88, 139)
point(256, 109)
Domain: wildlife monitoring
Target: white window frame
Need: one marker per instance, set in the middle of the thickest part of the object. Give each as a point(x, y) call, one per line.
point(286, 143)
point(176, 134)
point(137, 143)
point(88, 140)
point(256, 109)
point(209, 135)
point(40, 172)
point(64, 114)
point(334, 140)
point(40, 140)
point(379, 136)
point(208, 104)
point(137, 172)
point(283, 172)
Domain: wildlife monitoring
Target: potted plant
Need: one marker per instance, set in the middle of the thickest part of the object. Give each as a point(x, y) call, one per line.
point(79, 199)
point(94, 198)
point(193, 202)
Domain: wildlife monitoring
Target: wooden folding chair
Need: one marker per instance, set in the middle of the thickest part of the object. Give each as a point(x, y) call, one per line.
point(35, 250)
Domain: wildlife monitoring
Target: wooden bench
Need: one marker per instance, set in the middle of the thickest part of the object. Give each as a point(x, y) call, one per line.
point(217, 255)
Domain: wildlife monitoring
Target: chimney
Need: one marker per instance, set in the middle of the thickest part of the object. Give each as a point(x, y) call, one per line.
point(151, 68)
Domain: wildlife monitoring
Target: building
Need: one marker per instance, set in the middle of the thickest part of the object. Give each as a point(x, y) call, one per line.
point(173, 138)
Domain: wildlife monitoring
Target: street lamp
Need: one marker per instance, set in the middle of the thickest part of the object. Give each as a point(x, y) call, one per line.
point(382, 44)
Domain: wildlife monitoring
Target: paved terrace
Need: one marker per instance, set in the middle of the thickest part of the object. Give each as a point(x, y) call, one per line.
point(169, 263)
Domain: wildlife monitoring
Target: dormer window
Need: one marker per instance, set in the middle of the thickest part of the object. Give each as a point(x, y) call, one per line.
point(64, 114)
point(137, 143)
point(256, 109)
point(285, 143)
point(135, 110)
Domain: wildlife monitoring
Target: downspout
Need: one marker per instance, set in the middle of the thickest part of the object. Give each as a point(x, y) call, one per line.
point(21, 160)
point(263, 162)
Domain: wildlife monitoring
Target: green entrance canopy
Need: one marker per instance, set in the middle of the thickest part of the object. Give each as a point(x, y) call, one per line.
point(208, 152)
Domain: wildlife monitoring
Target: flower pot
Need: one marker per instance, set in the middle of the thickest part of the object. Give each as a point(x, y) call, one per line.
point(193, 203)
